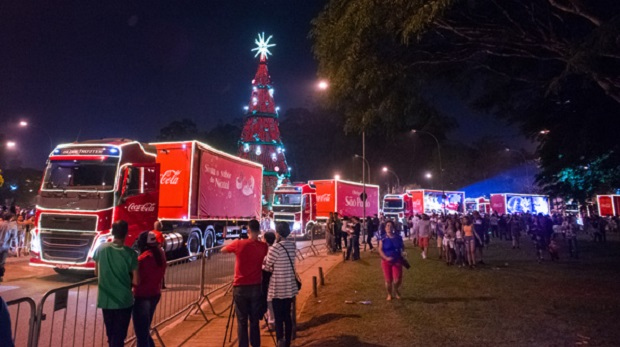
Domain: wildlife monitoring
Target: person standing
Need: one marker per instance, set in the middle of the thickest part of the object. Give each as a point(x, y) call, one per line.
point(282, 287)
point(329, 233)
point(5, 239)
point(471, 238)
point(117, 270)
point(151, 269)
point(338, 231)
point(247, 284)
point(481, 234)
point(515, 226)
point(424, 232)
point(6, 337)
point(354, 239)
point(391, 250)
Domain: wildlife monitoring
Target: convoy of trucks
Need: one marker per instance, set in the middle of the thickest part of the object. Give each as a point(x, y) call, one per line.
point(308, 205)
point(202, 196)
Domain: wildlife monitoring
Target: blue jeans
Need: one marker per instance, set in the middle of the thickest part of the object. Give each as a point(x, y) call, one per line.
point(143, 310)
point(247, 307)
point(116, 323)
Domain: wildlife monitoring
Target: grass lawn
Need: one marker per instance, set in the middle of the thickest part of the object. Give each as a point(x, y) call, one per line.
point(510, 301)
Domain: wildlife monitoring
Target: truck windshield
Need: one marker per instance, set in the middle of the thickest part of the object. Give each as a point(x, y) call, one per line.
point(392, 203)
point(287, 199)
point(80, 174)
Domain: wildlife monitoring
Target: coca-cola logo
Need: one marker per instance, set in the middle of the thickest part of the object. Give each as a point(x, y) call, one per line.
point(146, 207)
point(606, 204)
point(170, 177)
point(323, 198)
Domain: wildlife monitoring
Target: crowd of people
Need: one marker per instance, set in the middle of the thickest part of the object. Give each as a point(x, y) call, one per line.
point(15, 225)
point(461, 238)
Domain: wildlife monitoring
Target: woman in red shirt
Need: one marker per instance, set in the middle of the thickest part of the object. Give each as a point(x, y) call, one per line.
point(151, 269)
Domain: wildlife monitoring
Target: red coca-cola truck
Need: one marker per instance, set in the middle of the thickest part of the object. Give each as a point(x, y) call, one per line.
point(200, 195)
point(304, 205)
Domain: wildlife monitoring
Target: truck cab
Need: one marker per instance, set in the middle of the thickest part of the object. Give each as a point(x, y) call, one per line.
point(86, 187)
point(397, 206)
point(296, 205)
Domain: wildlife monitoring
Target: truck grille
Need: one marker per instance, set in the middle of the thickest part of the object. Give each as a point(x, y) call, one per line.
point(68, 222)
point(68, 247)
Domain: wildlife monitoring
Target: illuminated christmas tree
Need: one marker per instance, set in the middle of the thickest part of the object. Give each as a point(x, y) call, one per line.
point(260, 138)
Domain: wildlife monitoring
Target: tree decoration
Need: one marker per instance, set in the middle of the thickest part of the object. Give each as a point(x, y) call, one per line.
point(261, 131)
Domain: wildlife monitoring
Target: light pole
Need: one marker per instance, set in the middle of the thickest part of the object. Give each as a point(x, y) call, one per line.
point(25, 124)
point(365, 166)
point(443, 188)
point(385, 169)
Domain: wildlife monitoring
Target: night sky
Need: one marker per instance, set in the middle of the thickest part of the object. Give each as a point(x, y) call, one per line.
point(114, 69)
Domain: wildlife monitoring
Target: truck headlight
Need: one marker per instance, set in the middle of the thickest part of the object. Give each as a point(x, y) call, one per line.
point(98, 242)
point(296, 226)
point(35, 242)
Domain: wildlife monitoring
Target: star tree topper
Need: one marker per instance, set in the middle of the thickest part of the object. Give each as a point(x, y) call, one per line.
point(262, 46)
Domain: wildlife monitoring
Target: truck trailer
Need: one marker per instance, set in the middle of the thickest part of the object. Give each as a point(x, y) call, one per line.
point(436, 201)
point(201, 196)
point(608, 205)
point(510, 203)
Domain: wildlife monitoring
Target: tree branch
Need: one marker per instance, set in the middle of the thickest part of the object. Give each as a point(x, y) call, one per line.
point(576, 10)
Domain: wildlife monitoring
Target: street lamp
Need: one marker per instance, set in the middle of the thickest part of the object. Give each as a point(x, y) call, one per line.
point(10, 144)
point(443, 188)
point(322, 85)
point(25, 124)
point(429, 176)
point(385, 169)
point(337, 177)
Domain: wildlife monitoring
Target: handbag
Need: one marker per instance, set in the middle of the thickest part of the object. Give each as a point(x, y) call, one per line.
point(297, 279)
point(406, 263)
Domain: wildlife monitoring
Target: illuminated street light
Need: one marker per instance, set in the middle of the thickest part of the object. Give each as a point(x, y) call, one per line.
point(385, 169)
point(544, 132)
point(337, 177)
point(10, 144)
point(25, 124)
point(322, 85)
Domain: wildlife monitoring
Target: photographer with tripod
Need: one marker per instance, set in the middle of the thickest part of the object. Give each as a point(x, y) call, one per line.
point(247, 288)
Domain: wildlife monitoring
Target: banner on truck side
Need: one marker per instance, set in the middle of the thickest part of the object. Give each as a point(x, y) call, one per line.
point(228, 188)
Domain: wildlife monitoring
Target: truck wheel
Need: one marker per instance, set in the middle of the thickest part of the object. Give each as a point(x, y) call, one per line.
point(309, 231)
point(193, 244)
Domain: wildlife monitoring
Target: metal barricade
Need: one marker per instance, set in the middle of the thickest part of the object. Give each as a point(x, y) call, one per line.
point(182, 292)
point(68, 316)
point(22, 320)
point(218, 272)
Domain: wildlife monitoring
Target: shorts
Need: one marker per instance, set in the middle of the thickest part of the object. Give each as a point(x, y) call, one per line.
point(448, 243)
point(469, 239)
point(423, 242)
point(392, 271)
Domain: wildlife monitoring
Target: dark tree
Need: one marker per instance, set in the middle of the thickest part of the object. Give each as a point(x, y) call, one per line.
point(183, 130)
point(510, 58)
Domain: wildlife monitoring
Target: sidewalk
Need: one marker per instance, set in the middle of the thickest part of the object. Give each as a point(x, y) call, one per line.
point(194, 331)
